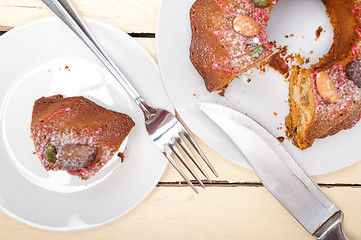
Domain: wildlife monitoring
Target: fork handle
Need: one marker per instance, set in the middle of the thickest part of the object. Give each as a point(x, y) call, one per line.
point(68, 14)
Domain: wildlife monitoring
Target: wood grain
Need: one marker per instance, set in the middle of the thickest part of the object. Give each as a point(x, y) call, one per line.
point(216, 213)
point(136, 16)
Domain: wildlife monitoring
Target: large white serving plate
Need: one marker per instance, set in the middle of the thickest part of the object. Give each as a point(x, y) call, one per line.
point(265, 97)
point(44, 58)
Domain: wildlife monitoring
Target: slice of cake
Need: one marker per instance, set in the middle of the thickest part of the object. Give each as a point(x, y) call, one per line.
point(228, 38)
point(326, 98)
point(76, 135)
point(322, 103)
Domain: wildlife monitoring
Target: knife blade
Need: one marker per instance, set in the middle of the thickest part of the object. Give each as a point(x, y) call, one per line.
point(280, 173)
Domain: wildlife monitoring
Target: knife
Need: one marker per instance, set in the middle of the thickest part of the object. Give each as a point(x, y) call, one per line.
point(280, 173)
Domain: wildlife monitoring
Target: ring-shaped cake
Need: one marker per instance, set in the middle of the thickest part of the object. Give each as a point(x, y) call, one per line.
point(229, 37)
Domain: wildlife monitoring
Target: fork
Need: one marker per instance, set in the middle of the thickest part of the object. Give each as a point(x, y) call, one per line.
point(162, 126)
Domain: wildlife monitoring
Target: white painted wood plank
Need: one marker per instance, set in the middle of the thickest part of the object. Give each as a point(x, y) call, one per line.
point(216, 213)
point(130, 16)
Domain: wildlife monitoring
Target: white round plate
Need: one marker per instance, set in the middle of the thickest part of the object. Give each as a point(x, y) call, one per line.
point(265, 97)
point(44, 58)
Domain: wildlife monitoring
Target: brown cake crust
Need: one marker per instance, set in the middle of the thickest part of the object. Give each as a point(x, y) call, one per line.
point(57, 121)
point(213, 42)
point(320, 118)
point(344, 22)
point(311, 117)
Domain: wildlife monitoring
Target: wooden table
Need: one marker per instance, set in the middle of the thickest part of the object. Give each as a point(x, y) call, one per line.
point(235, 206)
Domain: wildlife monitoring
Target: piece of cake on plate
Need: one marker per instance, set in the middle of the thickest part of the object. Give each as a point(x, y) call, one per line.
point(76, 135)
point(229, 37)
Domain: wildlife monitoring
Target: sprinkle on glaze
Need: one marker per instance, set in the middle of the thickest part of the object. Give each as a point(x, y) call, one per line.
point(333, 116)
point(92, 140)
point(41, 154)
point(313, 82)
point(356, 9)
point(88, 138)
point(224, 33)
point(355, 52)
point(346, 90)
point(216, 64)
point(342, 82)
point(343, 85)
point(341, 79)
point(260, 15)
point(358, 31)
point(87, 170)
point(226, 10)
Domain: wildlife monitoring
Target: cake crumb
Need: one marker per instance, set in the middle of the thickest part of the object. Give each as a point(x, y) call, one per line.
point(121, 155)
point(275, 114)
point(248, 80)
point(279, 64)
point(299, 60)
point(318, 32)
point(262, 67)
point(222, 92)
point(281, 139)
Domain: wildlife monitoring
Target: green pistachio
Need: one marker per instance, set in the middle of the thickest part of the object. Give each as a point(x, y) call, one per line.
point(50, 154)
point(261, 3)
point(257, 52)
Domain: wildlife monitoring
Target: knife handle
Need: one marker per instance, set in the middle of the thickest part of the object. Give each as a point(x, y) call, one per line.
point(332, 229)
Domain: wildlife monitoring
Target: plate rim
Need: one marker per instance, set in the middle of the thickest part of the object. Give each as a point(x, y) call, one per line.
point(90, 21)
point(311, 169)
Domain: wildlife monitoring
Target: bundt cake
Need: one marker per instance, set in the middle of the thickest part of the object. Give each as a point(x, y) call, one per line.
point(76, 135)
point(228, 37)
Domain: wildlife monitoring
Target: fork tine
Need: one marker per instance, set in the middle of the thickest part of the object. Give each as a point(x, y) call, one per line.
point(191, 156)
point(175, 165)
point(186, 164)
point(199, 151)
